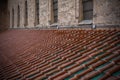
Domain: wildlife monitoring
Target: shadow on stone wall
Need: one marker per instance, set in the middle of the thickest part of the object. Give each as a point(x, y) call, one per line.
point(4, 15)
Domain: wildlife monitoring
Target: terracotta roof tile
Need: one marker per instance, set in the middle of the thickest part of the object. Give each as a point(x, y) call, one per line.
point(60, 55)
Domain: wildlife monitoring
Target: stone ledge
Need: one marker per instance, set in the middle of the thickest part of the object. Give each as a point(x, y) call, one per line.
point(82, 26)
point(86, 22)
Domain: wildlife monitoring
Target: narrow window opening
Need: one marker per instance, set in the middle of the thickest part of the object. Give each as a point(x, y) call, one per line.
point(36, 12)
point(12, 18)
point(55, 10)
point(18, 16)
point(87, 9)
point(26, 14)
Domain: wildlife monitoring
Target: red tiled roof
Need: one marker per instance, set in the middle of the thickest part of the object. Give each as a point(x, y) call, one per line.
point(60, 55)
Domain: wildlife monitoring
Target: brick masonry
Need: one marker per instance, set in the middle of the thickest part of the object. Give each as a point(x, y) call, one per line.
point(105, 12)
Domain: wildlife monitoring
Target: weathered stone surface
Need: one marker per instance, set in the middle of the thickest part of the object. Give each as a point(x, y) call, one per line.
point(67, 12)
point(70, 12)
point(13, 4)
point(44, 6)
point(107, 12)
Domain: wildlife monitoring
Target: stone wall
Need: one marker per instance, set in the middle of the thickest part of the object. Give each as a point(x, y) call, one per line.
point(13, 4)
point(43, 17)
point(44, 14)
point(70, 13)
point(67, 12)
point(106, 12)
